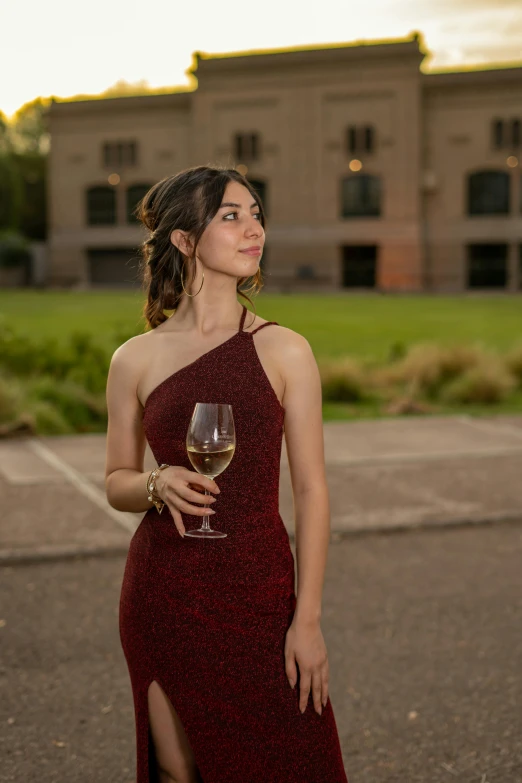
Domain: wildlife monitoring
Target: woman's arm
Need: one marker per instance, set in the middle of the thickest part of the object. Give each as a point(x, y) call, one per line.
point(125, 479)
point(305, 449)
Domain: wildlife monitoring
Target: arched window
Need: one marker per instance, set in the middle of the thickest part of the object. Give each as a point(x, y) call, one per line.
point(261, 189)
point(361, 196)
point(134, 195)
point(101, 206)
point(488, 193)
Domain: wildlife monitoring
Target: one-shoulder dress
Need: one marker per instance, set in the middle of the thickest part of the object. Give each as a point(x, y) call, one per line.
point(207, 618)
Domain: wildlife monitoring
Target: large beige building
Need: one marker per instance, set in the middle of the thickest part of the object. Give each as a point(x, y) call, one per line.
point(373, 173)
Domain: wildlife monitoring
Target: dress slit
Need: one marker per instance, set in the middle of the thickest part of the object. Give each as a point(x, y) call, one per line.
point(147, 762)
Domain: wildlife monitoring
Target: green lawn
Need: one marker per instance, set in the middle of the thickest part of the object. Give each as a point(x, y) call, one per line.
point(366, 326)
point(361, 325)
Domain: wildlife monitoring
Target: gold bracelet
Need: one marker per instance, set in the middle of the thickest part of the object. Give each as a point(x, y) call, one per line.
point(153, 497)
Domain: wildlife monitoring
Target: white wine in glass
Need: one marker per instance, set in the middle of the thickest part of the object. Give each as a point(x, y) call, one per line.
point(211, 442)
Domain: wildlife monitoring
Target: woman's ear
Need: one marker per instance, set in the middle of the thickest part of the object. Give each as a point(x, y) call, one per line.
point(180, 239)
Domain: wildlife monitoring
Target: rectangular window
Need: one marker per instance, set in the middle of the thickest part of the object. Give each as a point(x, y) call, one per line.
point(360, 139)
point(351, 140)
point(498, 139)
point(361, 196)
point(119, 154)
point(247, 146)
point(369, 138)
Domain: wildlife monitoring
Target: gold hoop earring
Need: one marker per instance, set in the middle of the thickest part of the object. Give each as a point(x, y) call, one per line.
point(201, 286)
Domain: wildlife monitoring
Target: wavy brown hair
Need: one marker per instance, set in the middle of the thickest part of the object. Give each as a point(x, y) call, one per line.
point(188, 201)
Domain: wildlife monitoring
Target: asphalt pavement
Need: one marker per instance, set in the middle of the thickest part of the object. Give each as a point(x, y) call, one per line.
point(422, 609)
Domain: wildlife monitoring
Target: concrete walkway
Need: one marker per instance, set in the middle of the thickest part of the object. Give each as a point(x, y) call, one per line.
point(391, 474)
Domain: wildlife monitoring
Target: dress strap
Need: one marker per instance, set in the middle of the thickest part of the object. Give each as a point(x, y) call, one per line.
point(243, 316)
point(265, 324)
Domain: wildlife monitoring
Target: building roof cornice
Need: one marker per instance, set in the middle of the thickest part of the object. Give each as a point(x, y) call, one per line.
point(493, 74)
point(259, 60)
point(175, 100)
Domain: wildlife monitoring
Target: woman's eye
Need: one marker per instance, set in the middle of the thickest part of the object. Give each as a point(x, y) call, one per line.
point(258, 214)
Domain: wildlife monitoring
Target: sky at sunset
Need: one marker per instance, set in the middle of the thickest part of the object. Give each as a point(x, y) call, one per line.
point(62, 48)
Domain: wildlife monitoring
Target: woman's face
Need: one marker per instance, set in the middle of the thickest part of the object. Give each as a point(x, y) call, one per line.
point(235, 228)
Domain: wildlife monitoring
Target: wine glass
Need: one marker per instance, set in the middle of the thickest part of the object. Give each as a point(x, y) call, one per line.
point(211, 442)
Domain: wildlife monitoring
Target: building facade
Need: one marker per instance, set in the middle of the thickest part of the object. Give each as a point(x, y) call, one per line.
point(373, 174)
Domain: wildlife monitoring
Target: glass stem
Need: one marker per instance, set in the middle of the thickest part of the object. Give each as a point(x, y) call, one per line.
point(206, 525)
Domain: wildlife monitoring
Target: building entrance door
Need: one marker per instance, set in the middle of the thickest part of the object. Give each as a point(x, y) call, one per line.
point(114, 267)
point(487, 265)
point(359, 266)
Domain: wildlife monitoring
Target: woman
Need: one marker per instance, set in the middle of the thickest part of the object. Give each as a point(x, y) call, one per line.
point(228, 666)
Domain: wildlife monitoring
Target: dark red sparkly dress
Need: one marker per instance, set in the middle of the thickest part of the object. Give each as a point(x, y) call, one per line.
point(207, 618)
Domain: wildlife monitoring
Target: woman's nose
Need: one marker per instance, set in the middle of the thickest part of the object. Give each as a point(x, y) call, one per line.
point(255, 227)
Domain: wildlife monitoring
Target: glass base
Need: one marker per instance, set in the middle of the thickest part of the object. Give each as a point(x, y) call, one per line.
point(200, 533)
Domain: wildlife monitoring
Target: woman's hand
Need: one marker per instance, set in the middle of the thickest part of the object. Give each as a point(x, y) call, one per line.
point(173, 487)
point(305, 645)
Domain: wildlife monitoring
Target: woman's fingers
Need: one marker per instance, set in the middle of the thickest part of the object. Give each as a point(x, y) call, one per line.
point(178, 521)
point(185, 496)
point(304, 689)
point(324, 683)
point(182, 505)
point(202, 481)
point(194, 496)
point(291, 669)
point(316, 690)
point(173, 486)
point(315, 680)
point(173, 497)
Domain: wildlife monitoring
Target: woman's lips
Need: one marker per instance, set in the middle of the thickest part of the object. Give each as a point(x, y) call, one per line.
point(253, 252)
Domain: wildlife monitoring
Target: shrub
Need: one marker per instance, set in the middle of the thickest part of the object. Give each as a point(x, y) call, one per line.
point(488, 383)
point(14, 250)
point(45, 418)
point(79, 408)
point(343, 380)
point(427, 367)
point(396, 351)
point(514, 362)
point(8, 400)
point(81, 360)
point(89, 362)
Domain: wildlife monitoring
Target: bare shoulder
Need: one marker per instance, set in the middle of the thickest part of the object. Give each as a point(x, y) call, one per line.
point(288, 346)
point(129, 358)
point(288, 353)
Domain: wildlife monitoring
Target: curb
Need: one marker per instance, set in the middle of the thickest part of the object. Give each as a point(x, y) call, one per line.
point(495, 518)
point(59, 553)
point(48, 554)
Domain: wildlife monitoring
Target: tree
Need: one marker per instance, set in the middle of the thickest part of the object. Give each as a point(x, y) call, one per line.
point(5, 134)
point(11, 192)
point(32, 168)
point(29, 127)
